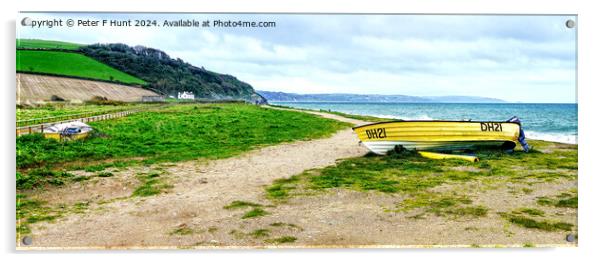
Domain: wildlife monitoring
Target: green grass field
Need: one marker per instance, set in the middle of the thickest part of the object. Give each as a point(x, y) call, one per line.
point(46, 44)
point(70, 64)
point(53, 110)
point(176, 133)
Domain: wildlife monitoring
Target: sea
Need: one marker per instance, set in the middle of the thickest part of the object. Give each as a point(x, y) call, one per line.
point(549, 122)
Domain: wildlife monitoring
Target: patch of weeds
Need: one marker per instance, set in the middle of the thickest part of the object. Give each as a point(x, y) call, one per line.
point(530, 211)
point(151, 185)
point(566, 199)
point(527, 190)
point(237, 234)
point(471, 211)
point(40, 177)
point(34, 218)
point(81, 178)
point(389, 174)
point(408, 174)
point(259, 233)
point(281, 224)
point(29, 211)
point(23, 229)
point(95, 168)
point(536, 165)
point(529, 245)
point(119, 164)
point(404, 172)
point(528, 222)
point(545, 201)
point(280, 188)
point(105, 174)
point(255, 212)
point(241, 204)
point(182, 230)
point(452, 205)
point(80, 207)
point(212, 229)
point(281, 240)
point(571, 202)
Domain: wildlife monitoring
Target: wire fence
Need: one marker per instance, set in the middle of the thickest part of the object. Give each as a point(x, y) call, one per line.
point(86, 117)
point(54, 119)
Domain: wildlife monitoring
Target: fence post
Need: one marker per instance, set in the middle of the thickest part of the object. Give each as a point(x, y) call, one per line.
point(29, 130)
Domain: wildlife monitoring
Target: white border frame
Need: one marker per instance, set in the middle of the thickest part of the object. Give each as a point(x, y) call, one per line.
point(588, 78)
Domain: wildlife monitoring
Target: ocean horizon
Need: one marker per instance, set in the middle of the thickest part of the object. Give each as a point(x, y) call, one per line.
point(555, 122)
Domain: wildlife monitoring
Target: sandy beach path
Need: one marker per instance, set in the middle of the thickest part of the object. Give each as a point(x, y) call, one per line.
point(192, 212)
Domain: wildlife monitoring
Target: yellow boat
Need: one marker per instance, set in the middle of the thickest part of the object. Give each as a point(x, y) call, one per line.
point(62, 137)
point(438, 135)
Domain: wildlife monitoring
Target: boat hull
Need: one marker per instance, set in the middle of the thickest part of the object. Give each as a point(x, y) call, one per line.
point(437, 135)
point(58, 136)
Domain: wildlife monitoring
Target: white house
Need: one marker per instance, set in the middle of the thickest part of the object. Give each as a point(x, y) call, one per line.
point(185, 95)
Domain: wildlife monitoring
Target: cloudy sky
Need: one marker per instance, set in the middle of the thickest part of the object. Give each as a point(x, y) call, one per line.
point(515, 58)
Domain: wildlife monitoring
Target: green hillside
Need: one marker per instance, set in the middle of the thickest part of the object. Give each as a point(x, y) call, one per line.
point(70, 64)
point(150, 67)
point(169, 75)
point(46, 44)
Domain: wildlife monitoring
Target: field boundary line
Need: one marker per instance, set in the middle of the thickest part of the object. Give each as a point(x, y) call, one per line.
point(39, 128)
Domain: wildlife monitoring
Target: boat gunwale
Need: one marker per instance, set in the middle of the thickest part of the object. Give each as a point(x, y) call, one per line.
point(451, 121)
point(450, 141)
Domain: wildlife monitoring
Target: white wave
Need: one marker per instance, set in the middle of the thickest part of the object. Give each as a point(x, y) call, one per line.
point(419, 117)
point(386, 116)
point(552, 137)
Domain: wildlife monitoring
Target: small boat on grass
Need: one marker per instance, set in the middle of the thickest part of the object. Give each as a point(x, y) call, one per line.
point(441, 135)
point(67, 131)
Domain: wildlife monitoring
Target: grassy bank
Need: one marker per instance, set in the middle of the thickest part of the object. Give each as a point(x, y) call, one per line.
point(410, 173)
point(176, 133)
point(446, 188)
point(70, 64)
point(46, 44)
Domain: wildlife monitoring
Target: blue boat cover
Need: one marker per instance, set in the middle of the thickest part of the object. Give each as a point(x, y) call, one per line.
point(521, 137)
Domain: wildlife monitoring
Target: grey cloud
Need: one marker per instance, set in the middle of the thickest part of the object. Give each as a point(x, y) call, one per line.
point(414, 55)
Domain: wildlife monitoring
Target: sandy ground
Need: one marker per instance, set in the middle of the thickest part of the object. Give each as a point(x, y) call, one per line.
point(341, 217)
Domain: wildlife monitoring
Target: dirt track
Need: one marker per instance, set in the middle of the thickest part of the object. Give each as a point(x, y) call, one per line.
point(200, 192)
point(195, 205)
